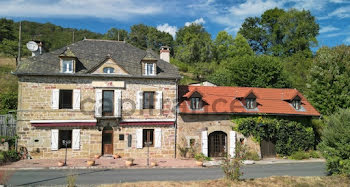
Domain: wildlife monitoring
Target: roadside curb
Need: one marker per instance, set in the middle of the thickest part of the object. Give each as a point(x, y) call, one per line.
point(96, 167)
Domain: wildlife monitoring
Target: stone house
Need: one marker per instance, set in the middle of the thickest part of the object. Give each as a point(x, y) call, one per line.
point(205, 115)
point(102, 97)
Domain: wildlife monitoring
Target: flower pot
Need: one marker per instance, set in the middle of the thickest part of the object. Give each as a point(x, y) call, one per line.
point(60, 163)
point(97, 156)
point(154, 164)
point(91, 162)
point(199, 163)
point(128, 163)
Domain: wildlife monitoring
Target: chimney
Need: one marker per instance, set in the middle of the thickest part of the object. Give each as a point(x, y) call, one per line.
point(165, 53)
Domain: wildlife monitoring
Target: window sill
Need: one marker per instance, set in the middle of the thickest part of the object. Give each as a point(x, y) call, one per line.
point(107, 117)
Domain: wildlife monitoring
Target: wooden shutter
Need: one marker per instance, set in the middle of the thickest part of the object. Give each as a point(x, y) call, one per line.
point(76, 139)
point(117, 103)
point(139, 100)
point(55, 98)
point(139, 138)
point(54, 139)
point(232, 143)
point(76, 99)
point(159, 100)
point(98, 103)
point(158, 138)
point(205, 143)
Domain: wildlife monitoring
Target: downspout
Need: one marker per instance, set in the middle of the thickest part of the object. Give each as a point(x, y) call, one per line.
point(176, 108)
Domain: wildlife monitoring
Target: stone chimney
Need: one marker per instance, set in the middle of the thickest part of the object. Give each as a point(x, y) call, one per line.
point(165, 53)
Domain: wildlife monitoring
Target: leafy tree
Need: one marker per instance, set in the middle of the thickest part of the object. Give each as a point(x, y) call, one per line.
point(116, 34)
point(335, 142)
point(143, 37)
point(193, 44)
point(251, 71)
point(328, 82)
point(281, 33)
point(6, 29)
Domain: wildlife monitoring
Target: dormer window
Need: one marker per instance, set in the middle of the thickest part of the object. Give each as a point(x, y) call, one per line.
point(67, 66)
point(195, 103)
point(296, 103)
point(108, 70)
point(150, 68)
point(250, 103)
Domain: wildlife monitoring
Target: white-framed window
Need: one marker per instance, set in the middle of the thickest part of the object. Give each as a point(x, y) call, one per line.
point(296, 104)
point(108, 70)
point(250, 103)
point(67, 66)
point(150, 69)
point(195, 103)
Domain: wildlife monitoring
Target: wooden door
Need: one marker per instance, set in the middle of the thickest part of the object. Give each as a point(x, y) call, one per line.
point(217, 144)
point(107, 142)
point(267, 149)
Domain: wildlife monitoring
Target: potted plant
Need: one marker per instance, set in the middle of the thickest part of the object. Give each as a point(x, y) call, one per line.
point(154, 163)
point(199, 159)
point(129, 162)
point(60, 163)
point(115, 156)
point(97, 156)
point(91, 162)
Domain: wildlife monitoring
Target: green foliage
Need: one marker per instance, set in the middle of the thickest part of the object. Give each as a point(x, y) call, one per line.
point(251, 71)
point(8, 101)
point(329, 81)
point(299, 155)
point(335, 144)
point(193, 44)
point(252, 155)
point(232, 166)
point(201, 157)
point(116, 34)
point(281, 33)
point(288, 136)
point(9, 156)
point(314, 154)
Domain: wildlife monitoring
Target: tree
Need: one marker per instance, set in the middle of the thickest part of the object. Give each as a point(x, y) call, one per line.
point(251, 71)
point(6, 29)
point(328, 82)
point(193, 44)
point(143, 37)
point(335, 142)
point(116, 34)
point(281, 33)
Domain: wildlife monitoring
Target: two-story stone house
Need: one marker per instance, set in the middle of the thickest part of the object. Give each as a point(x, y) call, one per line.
point(105, 97)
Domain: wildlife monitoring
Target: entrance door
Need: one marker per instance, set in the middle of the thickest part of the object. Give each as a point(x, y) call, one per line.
point(217, 144)
point(107, 140)
point(267, 149)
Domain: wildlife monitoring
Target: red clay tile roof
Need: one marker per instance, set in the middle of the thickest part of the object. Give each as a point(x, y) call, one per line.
point(220, 99)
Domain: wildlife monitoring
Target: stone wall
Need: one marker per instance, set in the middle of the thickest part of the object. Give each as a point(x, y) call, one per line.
point(35, 96)
point(191, 126)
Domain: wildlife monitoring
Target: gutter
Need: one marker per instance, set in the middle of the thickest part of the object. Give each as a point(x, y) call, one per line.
point(176, 113)
point(250, 114)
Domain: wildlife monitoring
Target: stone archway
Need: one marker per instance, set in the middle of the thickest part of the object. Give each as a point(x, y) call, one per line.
point(217, 144)
point(107, 140)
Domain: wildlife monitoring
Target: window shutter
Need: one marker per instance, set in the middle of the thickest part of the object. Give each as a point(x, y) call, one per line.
point(54, 139)
point(118, 103)
point(205, 143)
point(158, 138)
point(98, 104)
point(154, 69)
point(146, 69)
point(159, 100)
point(76, 99)
point(76, 139)
point(139, 100)
point(139, 138)
point(232, 143)
point(55, 98)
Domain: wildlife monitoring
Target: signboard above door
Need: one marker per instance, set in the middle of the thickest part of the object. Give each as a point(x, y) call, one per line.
point(108, 84)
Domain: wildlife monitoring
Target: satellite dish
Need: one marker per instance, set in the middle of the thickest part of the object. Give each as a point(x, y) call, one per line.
point(32, 46)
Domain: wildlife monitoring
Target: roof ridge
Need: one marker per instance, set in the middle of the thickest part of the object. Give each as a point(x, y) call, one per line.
point(102, 40)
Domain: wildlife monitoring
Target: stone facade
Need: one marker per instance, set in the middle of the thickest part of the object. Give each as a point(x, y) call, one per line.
point(35, 98)
point(191, 126)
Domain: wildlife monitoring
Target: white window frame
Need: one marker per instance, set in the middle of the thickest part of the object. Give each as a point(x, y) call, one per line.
point(150, 68)
point(66, 69)
point(195, 103)
point(108, 70)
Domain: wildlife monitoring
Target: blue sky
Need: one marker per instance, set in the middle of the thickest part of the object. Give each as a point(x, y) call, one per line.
point(216, 15)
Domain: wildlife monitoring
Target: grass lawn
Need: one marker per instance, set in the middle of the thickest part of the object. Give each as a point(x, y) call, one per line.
point(268, 182)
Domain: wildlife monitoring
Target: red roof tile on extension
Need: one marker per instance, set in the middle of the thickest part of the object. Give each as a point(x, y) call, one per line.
point(220, 99)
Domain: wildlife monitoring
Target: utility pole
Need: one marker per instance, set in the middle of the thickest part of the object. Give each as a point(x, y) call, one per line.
point(73, 36)
point(19, 42)
point(118, 36)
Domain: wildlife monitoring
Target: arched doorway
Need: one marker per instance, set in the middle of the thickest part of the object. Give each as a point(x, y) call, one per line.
point(217, 144)
point(107, 140)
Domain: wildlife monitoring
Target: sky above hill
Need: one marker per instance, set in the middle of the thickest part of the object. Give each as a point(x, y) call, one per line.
point(169, 15)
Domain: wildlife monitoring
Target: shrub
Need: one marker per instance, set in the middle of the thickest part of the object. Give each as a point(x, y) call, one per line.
point(232, 167)
point(299, 155)
point(201, 157)
point(314, 154)
point(335, 142)
point(252, 155)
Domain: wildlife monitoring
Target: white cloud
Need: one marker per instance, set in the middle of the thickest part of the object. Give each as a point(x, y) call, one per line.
point(199, 21)
point(347, 40)
point(328, 29)
point(167, 28)
point(114, 9)
point(342, 12)
point(253, 7)
point(339, 1)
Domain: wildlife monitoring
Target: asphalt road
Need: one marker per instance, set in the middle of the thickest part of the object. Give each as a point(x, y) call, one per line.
point(108, 176)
